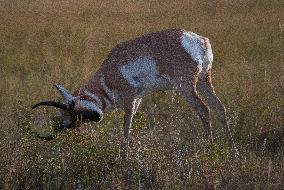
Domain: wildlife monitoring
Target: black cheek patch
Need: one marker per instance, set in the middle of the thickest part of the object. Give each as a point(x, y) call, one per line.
point(90, 116)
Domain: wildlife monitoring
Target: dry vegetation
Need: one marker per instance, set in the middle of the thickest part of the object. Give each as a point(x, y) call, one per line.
point(64, 41)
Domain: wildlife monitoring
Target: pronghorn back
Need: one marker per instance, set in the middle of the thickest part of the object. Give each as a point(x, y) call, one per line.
point(154, 61)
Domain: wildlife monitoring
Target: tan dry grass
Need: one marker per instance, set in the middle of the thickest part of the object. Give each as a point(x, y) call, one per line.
point(42, 42)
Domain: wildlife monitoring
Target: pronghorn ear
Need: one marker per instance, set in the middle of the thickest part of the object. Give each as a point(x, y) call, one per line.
point(67, 96)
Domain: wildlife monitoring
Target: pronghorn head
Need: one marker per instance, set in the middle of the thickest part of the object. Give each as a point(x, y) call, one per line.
point(73, 109)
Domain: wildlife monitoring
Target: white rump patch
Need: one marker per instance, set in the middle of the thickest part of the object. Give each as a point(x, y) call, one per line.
point(143, 75)
point(199, 49)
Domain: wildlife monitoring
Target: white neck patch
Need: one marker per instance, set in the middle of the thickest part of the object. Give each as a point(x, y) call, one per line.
point(94, 97)
point(112, 94)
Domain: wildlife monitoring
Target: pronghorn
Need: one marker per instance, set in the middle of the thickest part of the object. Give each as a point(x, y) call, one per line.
point(171, 59)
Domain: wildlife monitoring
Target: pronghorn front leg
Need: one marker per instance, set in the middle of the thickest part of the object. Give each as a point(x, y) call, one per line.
point(129, 110)
point(137, 103)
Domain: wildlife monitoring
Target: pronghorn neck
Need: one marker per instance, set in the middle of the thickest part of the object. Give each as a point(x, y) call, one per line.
point(98, 92)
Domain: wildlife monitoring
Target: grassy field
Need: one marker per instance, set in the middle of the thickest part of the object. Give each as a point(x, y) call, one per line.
point(65, 41)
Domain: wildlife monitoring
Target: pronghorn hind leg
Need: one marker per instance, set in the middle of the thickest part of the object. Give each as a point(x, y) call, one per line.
point(188, 91)
point(205, 88)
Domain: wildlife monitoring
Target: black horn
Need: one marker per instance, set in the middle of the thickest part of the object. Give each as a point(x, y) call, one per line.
point(51, 103)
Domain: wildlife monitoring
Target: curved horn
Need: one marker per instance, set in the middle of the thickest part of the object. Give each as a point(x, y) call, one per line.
point(51, 103)
point(65, 93)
